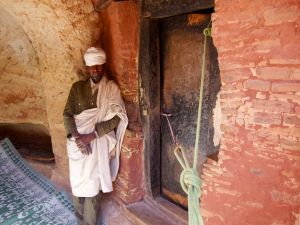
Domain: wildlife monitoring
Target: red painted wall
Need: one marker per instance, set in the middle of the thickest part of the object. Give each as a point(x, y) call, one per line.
point(120, 40)
point(257, 178)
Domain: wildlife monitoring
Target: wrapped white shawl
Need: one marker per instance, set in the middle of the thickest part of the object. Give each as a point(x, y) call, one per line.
point(91, 173)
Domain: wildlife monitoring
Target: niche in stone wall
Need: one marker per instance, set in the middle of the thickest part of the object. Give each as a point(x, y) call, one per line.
point(33, 141)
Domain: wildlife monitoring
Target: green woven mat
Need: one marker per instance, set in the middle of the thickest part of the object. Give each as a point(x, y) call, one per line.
point(26, 197)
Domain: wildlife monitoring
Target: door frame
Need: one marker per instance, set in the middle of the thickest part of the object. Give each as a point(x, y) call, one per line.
point(149, 80)
point(150, 100)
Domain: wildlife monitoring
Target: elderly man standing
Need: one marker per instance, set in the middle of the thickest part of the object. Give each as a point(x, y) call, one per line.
point(95, 121)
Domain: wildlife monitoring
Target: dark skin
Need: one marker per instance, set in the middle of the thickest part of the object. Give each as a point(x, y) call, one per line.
point(83, 140)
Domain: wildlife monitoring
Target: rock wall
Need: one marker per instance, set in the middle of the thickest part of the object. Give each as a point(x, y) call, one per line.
point(59, 32)
point(257, 178)
point(21, 92)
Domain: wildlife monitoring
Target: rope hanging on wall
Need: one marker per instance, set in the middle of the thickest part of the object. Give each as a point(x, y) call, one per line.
point(189, 178)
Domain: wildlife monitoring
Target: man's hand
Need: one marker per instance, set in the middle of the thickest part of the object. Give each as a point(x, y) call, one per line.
point(86, 150)
point(83, 141)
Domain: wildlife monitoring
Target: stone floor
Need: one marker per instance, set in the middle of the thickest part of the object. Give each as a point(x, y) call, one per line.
point(111, 212)
point(147, 212)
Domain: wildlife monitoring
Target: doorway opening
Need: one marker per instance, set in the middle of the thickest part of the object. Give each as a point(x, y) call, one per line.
point(170, 67)
point(181, 47)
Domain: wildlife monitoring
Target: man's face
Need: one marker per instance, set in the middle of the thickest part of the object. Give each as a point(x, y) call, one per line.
point(95, 72)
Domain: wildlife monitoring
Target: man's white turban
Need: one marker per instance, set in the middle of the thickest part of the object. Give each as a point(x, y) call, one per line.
point(94, 56)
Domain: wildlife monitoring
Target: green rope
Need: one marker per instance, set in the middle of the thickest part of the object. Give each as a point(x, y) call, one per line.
point(189, 178)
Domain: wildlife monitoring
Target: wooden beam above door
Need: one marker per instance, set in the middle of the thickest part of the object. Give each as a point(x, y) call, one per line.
point(166, 8)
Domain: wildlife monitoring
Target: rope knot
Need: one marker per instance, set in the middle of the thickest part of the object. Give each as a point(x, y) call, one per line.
point(207, 32)
point(189, 177)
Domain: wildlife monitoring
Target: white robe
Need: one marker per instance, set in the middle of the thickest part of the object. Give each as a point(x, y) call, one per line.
point(91, 173)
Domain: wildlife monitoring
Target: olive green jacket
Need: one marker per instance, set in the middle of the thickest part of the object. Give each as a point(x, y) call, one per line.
point(81, 98)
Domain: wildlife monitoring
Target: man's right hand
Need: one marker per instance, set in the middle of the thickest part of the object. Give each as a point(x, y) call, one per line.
point(86, 150)
point(82, 141)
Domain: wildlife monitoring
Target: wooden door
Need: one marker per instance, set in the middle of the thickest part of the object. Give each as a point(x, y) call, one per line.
point(181, 45)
